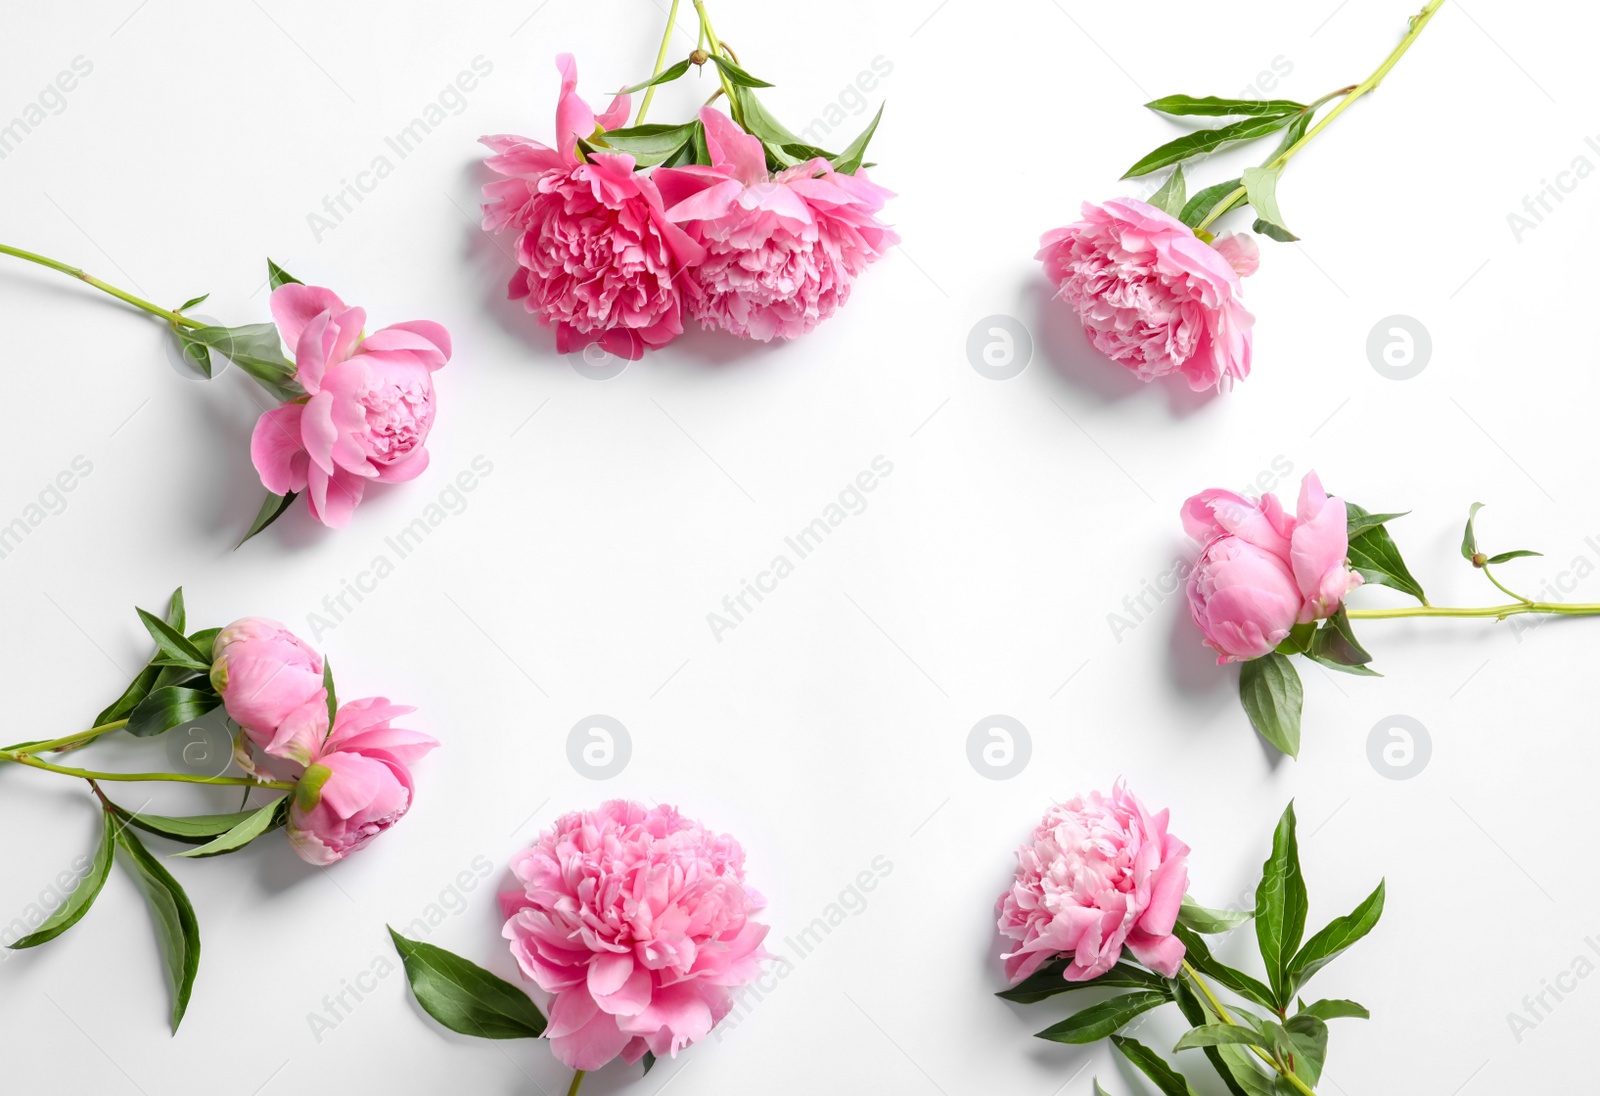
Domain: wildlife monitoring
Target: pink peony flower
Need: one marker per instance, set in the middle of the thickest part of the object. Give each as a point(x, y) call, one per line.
point(1153, 296)
point(369, 409)
point(638, 920)
point(357, 782)
point(781, 250)
point(270, 680)
point(598, 259)
point(1261, 571)
point(1100, 874)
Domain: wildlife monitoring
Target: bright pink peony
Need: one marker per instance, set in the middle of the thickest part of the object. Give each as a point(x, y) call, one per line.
point(1261, 571)
point(598, 259)
point(781, 250)
point(370, 403)
point(1100, 874)
point(1153, 296)
point(638, 920)
point(269, 679)
point(358, 780)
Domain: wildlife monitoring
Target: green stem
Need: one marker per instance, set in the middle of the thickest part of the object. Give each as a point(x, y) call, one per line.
point(24, 758)
point(1222, 1014)
point(72, 739)
point(717, 50)
point(1369, 84)
point(121, 294)
point(577, 1078)
point(661, 61)
point(1499, 612)
point(1504, 590)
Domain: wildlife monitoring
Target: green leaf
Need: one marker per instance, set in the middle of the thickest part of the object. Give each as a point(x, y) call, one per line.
point(1197, 208)
point(1518, 554)
point(252, 826)
point(1098, 1090)
point(1469, 539)
point(1334, 644)
point(1211, 1035)
point(848, 162)
point(1098, 1021)
point(194, 829)
point(649, 1061)
point(773, 134)
point(174, 917)
point(1333, 939)
point(272, 508)
point(1212, 106)
point(277, 276)
point(1358, 521)
point(177, 614)
point(1308, 1039)
point(170, 707)
point(1153, 1066)
point(1206, 140)
point(1199, 956)
point(1171, 196)
point(1261, 187)
point(137, 690)
point(1047, 982)
point(1335, 1008)
point(71, 911)
point(665, 76)
point(1375, 557)
point(1269, 688)
point(1199, 1015)
point(464, 997)
point(197, 353)
point(176, 650)
point(737, 75)
point(333, 696)
point(647, 144)
point(192, 302)
point(1242, 1076)
point(256, 349)
point(1281, 909)
point(1201, 919)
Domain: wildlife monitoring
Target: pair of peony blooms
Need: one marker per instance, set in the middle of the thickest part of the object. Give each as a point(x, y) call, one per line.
point(351, 768)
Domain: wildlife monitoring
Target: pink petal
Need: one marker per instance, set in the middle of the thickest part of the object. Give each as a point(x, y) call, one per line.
point(334, 498)
point(294, 306)
point(277, 451)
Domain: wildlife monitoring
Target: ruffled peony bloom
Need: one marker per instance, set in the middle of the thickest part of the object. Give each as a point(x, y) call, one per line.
point(357, 782)
point(1100, 874)
point(598, 259)
point(270, 681)
point(369, 407)
point(638, 920)
point(781, 250)
point(1154, 297)
point(1261, 571)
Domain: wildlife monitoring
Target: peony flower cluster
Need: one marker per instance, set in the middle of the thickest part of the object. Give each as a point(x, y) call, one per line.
point(1153, 296)
point(640, 923)
point(1261, 571)
point(369, 404)
point(1100, 874)
point(353, 779)
point(609, 255)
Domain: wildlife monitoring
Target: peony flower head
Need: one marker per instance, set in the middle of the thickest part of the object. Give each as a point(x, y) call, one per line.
point(598, 260)
point(357, 782)
point(639, 922)
point(369, 407)
point(1261, 571)
point(1100, 874)
point(781, 250)
point(268, 678)
point(1154, 297)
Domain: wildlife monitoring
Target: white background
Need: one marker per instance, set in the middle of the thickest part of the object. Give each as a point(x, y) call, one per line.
point(829, 728)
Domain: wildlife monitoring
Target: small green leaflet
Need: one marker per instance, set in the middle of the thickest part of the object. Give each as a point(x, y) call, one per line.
point(71, 911)
point(333, 696)
point(255, 348)
point(1308, 1039)
point(1206, 140)
point(1212, 1035)
point(1358, 521)
point(1098, 1021)
point(1201, 919)
point(1196, 209)
point(1376, 558)
point(194, 829)
point(464, 997)
point(665, 76)
point(191, 303)
point(1047, 982)
point(174, 917)
point(848, 162)
point(175, 648)
point(252, 826)
point(1211, 105)
point(1270, 690)
point(1328, 944)
point(1261, 186)
point(277, 276)
point(1170, 198)
point(649, 1061)
point(1333, 1009)
point(170, 707)
point(1334, 645)
point(737, 75)
point(1153, 1066)
point(272, 508)
point(648, 144)
point(1469, 539)
point(1281, 908)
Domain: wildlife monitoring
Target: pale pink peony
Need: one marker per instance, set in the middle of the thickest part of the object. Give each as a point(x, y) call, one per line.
point(598, 260)
point(638, 920)
point(1154, 297)
point(1262, 571)
point(370, 402)
point(357, 782)
point(1100, 874)
point(781, 250)
point(270, 680)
